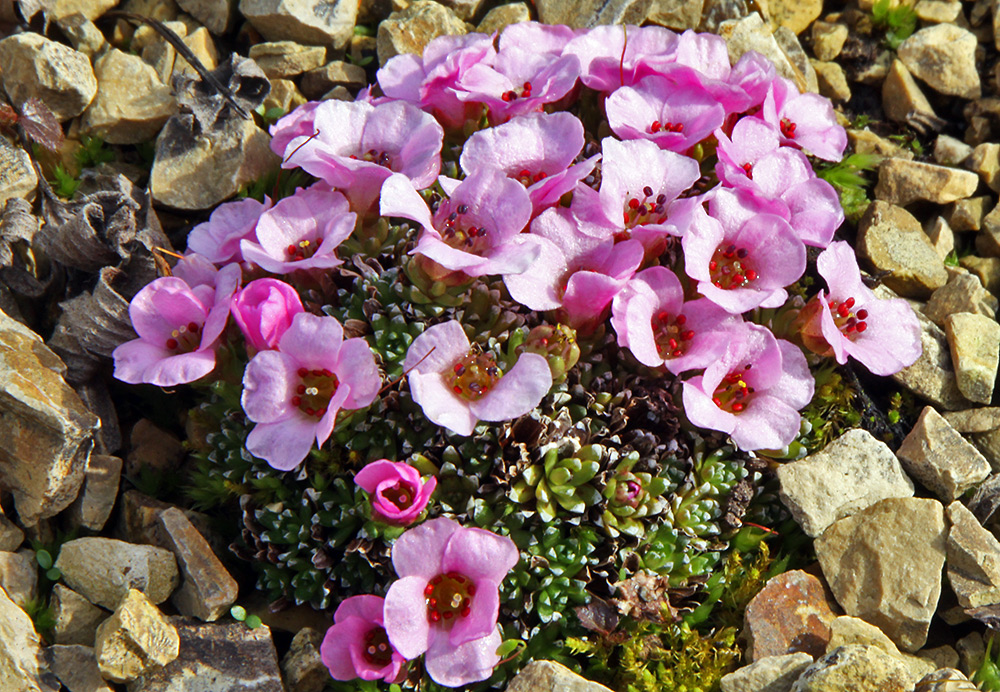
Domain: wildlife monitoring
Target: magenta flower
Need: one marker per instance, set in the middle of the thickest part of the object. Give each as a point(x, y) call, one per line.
point(804, 120)
point(753, 74)
point(609, 61)
point(264, 310)
point(178, 327)
point(457, 386)
point(397, 491)
point(356, 645)
point(218, 239)
point(294, 394)
point(301, 232)
point(651, 319)
point(883, 335)
point(812, 208)
point(447, 598)
point(753, 392)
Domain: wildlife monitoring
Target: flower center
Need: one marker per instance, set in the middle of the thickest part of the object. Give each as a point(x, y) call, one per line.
point(787, 128)
point(526, 178)
point(513, 95)
point(316, 388)
point(748, 169)
point(729, 267)
point(733, 394)
point(849, 322)
point(461, 234)
point(649, 209)
point(627, 492)
point(657, 126)
point(399, 494)
point(377, 649)
point(449, 596)
point(184, 339)
point(301, 250)
point(381, 158)
point(670, 335)
point(474, 375)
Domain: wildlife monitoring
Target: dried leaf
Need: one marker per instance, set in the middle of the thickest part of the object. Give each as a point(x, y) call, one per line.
point(41, 125)
point(646, 596)
point(598, 616)
point(986, 500)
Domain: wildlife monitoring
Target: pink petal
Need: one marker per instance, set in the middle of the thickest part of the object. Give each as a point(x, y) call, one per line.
point(457, 666)
point(313, 341)
point(356, 368)
point(325, 425)
point(517, 391)
point(482, 617)
point(796, 385)
point(181, 369)
point(480, 554)
point(133, 357)
point(440, 405)
point(283, 445)
point(400, 199)
point(405, 614)
point(268, 386)
point(537, 286)
point(163, 305)
point(766, 423)
point(701, 411)
point(375, 473)
point(341, 640)
point(437, 348)
point(365, 606)
point(419, 552)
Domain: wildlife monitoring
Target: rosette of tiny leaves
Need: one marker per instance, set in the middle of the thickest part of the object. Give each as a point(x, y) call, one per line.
point(557, 344)
point(381, 238)
point(561, 479)
point(487, 317)
point(630, 496)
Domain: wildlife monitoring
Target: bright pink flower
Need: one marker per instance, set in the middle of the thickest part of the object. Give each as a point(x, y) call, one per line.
point(457, 386)
point(294, 394)
point(753, 74)
point(397, 491)
point(754, 159)
point(356, 645)
point(608, 60)
point(753, 392)
point(849, 320)
point(804, 120)
point(218, 239)
point(447, 598)
point(812, 208)
point(264, 310)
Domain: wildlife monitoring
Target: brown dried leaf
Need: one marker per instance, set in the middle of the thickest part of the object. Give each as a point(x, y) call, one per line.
point(598, 616)
point(646, 596)
point(41, 125)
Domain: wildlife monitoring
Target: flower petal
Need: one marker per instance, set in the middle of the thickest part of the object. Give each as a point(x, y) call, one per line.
point(356, 368)
point(405, 615)
point(419, 551)
point(482, 617)
point(440, 404)
point(365, 606)
point(268, 385)
point(437, 348)
point(313, 341)
point(517, 391)
point(283, 445)
point(457, 666)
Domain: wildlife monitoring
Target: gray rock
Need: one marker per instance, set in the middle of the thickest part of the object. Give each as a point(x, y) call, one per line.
point(751, 33)
point(216, 15)
point(884, 564)
point(34, 66)
point(76, 618)
point(139, 522)
point(855, 668)
point(20, 652)
point(933, 376)
point(846, 630)
point(93, 505)
point(302, 667)
point(892, 240)
point(542, 676)
point(132, 103)
point(715, 12)
point(901, 97)
point(872, 72)
point(19, 577)
point(317, 82)
point(104, 570)
point(949, 151)
point(985, 160)
point(327, 23)
point(83, 34)
point(974, 420)
point(503, 16)
point(17, 175)
point(76, 668)
point(49, 434)
point(411, 29)
point(828, 40)
point(962, 293)
point(284, 59)
point(851, 473)
point(136, 638)
point(217, 658)
point(903, 182)
point(678, 15)
point(791, 614)
point(586, 14)
point(940, 458)
point(944, 56)
point(771, 674)
point(973, 559)
point(975, 352)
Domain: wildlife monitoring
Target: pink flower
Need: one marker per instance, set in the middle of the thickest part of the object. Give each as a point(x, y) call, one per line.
point(608, 60)
point(398, 492)
point(447, 598)
point(218, 239)
point(753, 391)
point(294, 394)
point(263, 310)
point(356, 645)
point(804, 120)
point(849, 320)
point(299, 123)
point(457, 386)
point(178, 327)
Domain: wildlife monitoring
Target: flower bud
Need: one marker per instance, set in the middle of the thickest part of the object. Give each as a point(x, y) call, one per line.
point(398, 493)
point(264, 310)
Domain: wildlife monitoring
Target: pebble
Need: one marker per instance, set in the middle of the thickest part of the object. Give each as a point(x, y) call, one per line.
point(901, 96)
point(932, 376)
point(76, 667)
point(320, 80)
point(751, 33)
point(20, 651)
point(152, 448)
point(285, 59)
point(943, 239)
point(35, 67)
point(985, 161)
point(790, 46)
point(104, 570)
point(17, 175)
point(284, 95)
point(974, 420)
point(828, 40)
point(516, 12)
point(892, 240)
point(973, 559)
point(411, 29)
point(946, 680)
point(884, 563)
point(867, 142)
point(969, 214)
point(19, 577)
point(76, 618)
point(11, 535)
point(771, 674)
point(988, 443)
point(981, 116)
point(83, 34)
point(581, 14)
point(136, 638)
point(832, 81)
point(791, 614)
point(93, 505)
point(91, 9)
point(988, 239)
point(939, 457)
point(202, 45)
point(903, 182)
point(943, 56)
point(217, 16)
point(846, 630)
point(949, 151)
point(962, 293)
point(302, 667)
point(132, 103)
point(329, 23)
point(464, 9)
point(937, 11)
point(975, 350)
point(545, 676)
point(986, 268)
point(855, 668)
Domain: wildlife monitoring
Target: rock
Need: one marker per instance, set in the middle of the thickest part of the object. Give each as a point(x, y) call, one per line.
point(83, 34)
point(201, 44)
point(549, 676)
point(48, 433)
point(20, 652)
point(828, 40)
point(284, 59)
point(586, 14)
point(973, 559)
point(11, 535)
point(217, 658)
point(156, 51)
point(329, 23)
point(104, 570)
point(940, 458)
point(91, 9)
point(76, 618)
point(771, 674)
point(962, 293)
point(985, 161)
point(902, 182)
point(974, 419)
point(937, 11)
point(969, 214)
point(933, 376)
point(134, 639)
point(988, 443)
point(943, 56)
point(93, 505)
point(941, 237)
point(17, 175)
point(76, 667)
point(791, 614)
point(216, 15)
point(284, 95)
point(851, 473)
point(971, 652)
point(750, 33)
point(872, 72)
point(940, 656)
point(19, 577)
point(796, 16)
point(503, 16)
point(832, 81)
point(302, 668)
point(317, 82)
point(949, 151)
point(152, 447)
point(946, 680)
point(855, 668)
point(195, 172)
point(986, 268)
point(883, 565)
point(901, 97)
point(892, 240)
point(790, 46)
point(410, 30)
point(131, 103)
point(988, 239)
point(981, 116)
point(463, 9)
point(867, 142)
point(34, 66)
point(975, 351)
point(846, 630)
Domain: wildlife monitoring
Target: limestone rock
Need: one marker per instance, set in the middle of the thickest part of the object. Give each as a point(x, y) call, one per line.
point(974, 420)
point(970, 213)
point(750, 33)
point(410, 30)
point(940, 458)
point(678, 15)
point(93, 506)
point(973, 559)
point(19, 577)
point(986, 268)
point(851, 473)
point(846, 630)
point(216, 15)
point(790, 46)
point(901, 97)
point(937, 11)
point(284, 59)
point(940, 656)
point(985, 161)
point(134, 639)
point(867, 142)
point(76, 668)
point(988, 443)
point(791, 614)
point(76, 618)
point(302, 667)
point(197, 172)
point(988, 239)
point(152, 447)
point(975, 351)
point(902, 182)
point(828, 40)
point(549, 676)
point(83, 34)
point(91, 9)
point(20, 652)
point(883, 564)
point(104, 570)
point(933, 376)
point(942, 238)
point(17, 175)
point(284, 95)
point(949, 151)
point(317, 82)
point(201, 44)
point(796, 16)
point(832, 81)
point(11, 535)
point(771, 674)
point(581, 14)
point(962, 293)
point(946, 680)
point(329, 23)
point(855, 668)
point(48, 432)
point(132, 103)
point(34, 66)
point(463, 9)
point(891, 239)
point(217, 658)
point(504, 15)
point(944, 56)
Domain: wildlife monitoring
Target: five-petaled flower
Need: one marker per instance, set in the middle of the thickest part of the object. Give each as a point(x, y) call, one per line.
point(356, 645)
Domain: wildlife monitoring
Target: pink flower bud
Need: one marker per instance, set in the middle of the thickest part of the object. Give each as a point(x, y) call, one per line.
point(398, 493)
point(264, 310)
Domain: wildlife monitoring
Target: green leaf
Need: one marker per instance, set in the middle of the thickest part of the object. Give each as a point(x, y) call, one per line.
point(508, 646)
point(53, 574)
point(238, 612)
point(253, 622)
point(44, 559)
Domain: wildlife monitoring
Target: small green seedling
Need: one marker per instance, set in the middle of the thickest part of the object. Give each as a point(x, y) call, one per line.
point(239, 614)
point(44, 560)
